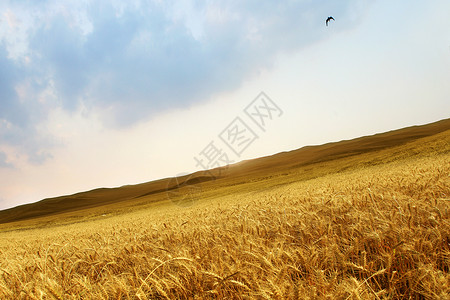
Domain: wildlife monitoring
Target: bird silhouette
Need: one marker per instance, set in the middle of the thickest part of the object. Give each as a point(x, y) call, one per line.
point(329, 19)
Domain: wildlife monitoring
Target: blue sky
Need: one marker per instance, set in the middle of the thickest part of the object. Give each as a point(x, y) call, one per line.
point(106, 93)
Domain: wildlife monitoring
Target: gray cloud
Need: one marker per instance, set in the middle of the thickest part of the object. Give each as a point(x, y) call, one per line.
point(18, 117)
point(133, 61)
point(9, 104)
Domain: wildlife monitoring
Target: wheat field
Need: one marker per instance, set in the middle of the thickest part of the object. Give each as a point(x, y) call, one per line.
point(372, 232)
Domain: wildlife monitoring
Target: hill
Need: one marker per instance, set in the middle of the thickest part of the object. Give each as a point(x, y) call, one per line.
point(360, 219)
point(256, 170)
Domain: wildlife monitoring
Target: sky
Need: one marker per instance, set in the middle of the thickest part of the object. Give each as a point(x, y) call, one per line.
point(108, 93)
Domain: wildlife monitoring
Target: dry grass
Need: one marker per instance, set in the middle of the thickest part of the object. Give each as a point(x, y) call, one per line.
point(378, 232)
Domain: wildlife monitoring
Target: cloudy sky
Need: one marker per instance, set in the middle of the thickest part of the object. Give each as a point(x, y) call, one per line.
point(103, 93)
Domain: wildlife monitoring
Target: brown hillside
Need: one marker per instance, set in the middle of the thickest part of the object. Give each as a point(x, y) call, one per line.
point(251, 170)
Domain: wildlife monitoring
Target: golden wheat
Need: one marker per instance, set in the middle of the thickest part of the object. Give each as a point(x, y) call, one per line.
point(378, 232)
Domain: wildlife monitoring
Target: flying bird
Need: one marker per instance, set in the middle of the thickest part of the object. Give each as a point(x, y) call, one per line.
point(329, 19)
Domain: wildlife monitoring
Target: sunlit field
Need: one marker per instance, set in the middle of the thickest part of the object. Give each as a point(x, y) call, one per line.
point(380, 229)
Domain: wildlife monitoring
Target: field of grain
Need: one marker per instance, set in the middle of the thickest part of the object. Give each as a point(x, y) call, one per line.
point(378, 231)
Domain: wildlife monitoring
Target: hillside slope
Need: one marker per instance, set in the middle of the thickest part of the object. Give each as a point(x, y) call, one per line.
point(369, 226)
point(251, 170)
